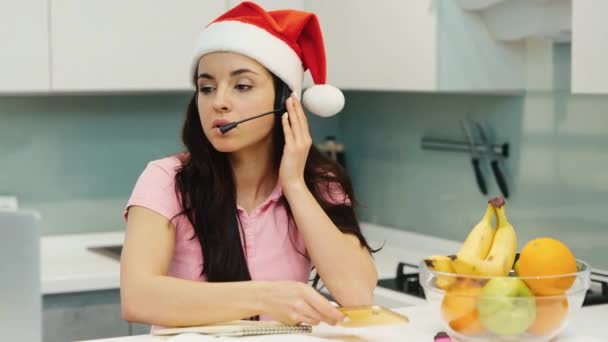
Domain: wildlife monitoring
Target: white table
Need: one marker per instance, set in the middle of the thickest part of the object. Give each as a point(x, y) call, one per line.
point(587, 326)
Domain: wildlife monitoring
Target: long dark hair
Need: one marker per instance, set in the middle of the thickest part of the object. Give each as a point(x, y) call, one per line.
point(206, 188)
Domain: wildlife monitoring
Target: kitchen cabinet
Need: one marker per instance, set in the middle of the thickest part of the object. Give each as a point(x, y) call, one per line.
point(421, 45)
point(83, 316)
point(118, 45)
point(589, 47)
point(97, 46)
point(24, 60)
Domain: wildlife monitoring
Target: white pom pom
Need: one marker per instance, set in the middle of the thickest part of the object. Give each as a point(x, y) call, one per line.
point(323, 100)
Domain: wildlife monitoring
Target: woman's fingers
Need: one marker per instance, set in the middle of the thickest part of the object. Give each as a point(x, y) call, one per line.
point(329, 313)
point(295, 121)
point(304, 313)
point(302, 120)
point(287, 131)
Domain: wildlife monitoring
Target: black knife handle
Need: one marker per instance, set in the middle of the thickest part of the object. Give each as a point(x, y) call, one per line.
point(500, 178)
point(479, 177)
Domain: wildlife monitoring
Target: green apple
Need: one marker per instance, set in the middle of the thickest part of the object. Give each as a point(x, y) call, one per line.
point(506, 306)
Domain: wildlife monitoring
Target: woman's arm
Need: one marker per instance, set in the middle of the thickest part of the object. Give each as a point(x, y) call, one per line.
point(148, 295)
point(345, 266)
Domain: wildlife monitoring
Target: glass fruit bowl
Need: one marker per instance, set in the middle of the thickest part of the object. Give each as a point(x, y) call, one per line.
point(481, 308)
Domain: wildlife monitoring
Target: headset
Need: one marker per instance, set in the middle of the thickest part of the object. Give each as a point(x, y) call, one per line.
point(279, 105)
point(281, 99)
point(279, 102)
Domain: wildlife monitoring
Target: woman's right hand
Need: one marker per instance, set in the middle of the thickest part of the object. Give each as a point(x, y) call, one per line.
point(291, 302)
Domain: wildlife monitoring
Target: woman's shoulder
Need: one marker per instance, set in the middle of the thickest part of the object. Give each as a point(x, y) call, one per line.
point(169, 165)
point(155, 187)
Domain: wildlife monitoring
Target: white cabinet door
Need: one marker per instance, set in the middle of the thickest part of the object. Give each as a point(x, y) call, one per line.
point(83, 316)
point(391, 46)
point(126, 45)
point(273, 4)
point(422, 45)
point(24, 51)
point(590, 46)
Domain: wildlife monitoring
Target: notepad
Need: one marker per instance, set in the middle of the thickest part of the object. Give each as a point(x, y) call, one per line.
point(238, 328)
point(356, 317)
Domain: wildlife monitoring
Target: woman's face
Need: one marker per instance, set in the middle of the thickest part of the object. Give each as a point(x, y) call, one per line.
point(232, 87)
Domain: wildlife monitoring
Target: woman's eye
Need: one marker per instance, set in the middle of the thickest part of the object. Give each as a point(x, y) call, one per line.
point(206, 89)
point(243, 87)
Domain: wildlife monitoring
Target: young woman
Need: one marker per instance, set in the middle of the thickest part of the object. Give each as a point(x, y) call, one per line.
point(231, 228)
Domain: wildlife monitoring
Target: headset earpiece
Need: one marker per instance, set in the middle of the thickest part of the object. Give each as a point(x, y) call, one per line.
point(285, 93)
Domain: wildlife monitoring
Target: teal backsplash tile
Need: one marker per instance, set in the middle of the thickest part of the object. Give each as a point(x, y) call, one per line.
point(556, 171)
point(411, 188)
point(76, 158)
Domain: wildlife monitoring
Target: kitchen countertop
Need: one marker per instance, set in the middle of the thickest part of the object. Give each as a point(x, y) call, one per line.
point(67, 266)
point(585, 327)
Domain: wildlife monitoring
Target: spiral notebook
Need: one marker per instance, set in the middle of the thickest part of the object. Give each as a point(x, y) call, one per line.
point(356, 317)
point(238, 328)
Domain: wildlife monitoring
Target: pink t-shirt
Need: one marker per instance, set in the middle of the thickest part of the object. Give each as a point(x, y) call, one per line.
point(271, 254)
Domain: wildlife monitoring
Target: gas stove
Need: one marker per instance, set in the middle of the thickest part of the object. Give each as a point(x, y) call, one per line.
point(406, 281)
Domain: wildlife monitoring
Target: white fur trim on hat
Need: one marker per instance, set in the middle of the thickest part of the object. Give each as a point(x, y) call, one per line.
point(323, 100)
point(256, 43)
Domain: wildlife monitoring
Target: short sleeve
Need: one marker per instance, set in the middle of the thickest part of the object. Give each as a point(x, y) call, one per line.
point(155, 190)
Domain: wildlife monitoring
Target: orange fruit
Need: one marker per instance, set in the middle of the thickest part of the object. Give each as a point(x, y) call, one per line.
point(551, 313)
point(547, 257)
point(459, 306)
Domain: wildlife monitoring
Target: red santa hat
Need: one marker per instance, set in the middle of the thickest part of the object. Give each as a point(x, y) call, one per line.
point(286, 42)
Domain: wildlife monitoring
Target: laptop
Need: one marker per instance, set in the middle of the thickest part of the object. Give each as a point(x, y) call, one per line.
point(20, 293)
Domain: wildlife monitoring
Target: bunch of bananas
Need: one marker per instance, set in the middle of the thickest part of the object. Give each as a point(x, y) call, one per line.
point(487, 250)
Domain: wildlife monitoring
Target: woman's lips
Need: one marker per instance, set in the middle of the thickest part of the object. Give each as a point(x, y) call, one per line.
point(219, 122)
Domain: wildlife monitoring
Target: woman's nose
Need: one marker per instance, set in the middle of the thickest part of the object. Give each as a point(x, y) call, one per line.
point(221, 100)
